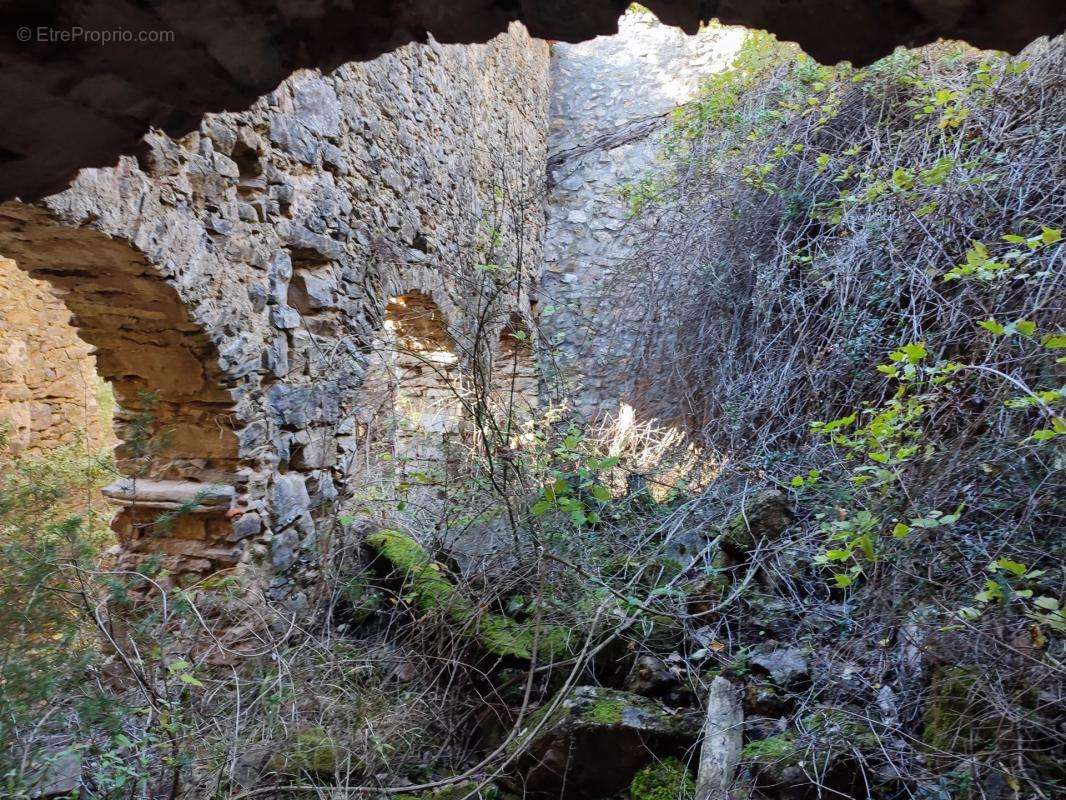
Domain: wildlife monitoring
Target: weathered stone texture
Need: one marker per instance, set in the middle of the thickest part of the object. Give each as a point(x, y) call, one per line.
point(610, 102)
point(252, 261)
point(49, 389)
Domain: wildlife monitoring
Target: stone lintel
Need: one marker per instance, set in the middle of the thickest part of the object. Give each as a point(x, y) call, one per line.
point(197, 498)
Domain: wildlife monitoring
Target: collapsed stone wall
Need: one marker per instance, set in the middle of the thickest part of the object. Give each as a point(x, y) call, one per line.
point(610, 105)
point(49, 389)
point(249, 266)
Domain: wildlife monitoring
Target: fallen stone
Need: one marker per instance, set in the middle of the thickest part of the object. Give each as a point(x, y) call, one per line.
point(787, 666)
point(595, 741)
point(765, 516)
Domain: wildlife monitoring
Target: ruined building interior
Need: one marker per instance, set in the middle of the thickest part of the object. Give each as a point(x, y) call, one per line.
point(265, 287)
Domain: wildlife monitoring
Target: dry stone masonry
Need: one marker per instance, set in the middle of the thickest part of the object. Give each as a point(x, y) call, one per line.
point(283, 300)
point(286, 299)
point(610, 104)
point(49, 390)
point(234, 284)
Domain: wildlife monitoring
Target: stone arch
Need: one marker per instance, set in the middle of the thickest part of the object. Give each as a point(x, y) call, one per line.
point(177, 450)
point(427, 385)
point(514, 373)
point(411, 396)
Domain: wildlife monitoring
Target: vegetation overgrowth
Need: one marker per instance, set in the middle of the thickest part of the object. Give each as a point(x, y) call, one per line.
point(854, 288)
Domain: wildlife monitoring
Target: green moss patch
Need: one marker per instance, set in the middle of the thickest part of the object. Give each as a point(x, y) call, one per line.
point(429, 588)
point(663, 780)
point(312, 751)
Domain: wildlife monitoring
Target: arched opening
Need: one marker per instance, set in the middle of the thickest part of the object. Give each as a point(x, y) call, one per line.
point(176, 450)
point(514, 375)
point(426, 400)
point(411, 398)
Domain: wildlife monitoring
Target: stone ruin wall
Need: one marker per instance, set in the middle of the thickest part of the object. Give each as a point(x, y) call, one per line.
point(234, 283)
point(239, 285)
point(610, 104)
point(50, 393)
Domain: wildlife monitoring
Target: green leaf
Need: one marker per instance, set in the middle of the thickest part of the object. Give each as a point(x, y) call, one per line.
point(914, 352)
point(601, 493)
point(1050, 235)
point(1025, 327)
point(843, 581)
point(796, 482)
point(1015, 568)
point(540, 508)
point(1055, 341)
point(185, 677)
point(924, 522)
point(577, 516)
point(900, 531)
point(993, 327)
point(1049, 603)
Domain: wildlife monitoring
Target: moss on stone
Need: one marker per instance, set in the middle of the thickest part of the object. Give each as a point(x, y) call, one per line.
point(765, 516)
point(430, 589)
point(773, 750)
point(949, 723)
point(313, 751)
point(663, 780)
point(605, 711)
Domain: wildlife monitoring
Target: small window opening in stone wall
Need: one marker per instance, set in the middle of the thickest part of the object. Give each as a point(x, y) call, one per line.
point(426, 401)
point(514, 375)
point(249, 168)
point(176, 450)
point(310, 291)
point(410, 399)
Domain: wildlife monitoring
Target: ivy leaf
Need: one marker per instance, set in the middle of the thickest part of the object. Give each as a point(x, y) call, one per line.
point(992, 327)
point(914, 352)
point(843, 581)
point(1050, 235)
point(540, 508)
point(924, 522)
